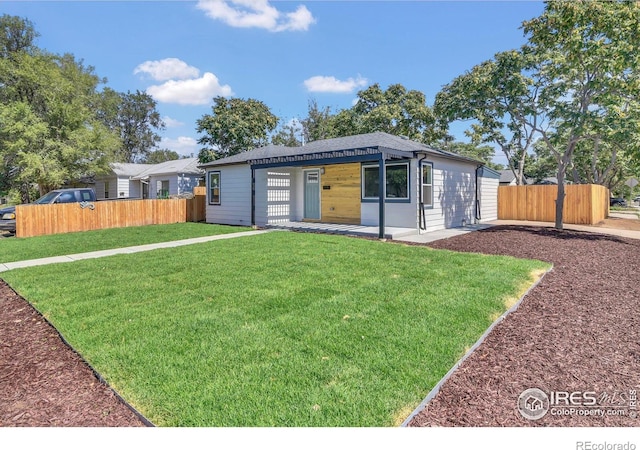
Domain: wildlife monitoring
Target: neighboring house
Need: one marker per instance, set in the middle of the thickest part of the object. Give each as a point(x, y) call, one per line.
point(507, 178)
point(162, 180)
point(120, 184)
point(342, 180)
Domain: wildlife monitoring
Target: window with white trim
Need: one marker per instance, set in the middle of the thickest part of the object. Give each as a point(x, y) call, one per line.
point(427, 184)
point(397, 181)
point(106, 189)
point(214, 188)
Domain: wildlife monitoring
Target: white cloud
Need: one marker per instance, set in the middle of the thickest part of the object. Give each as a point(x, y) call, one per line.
point(256, 14)
point(171, 123)
point(332, 84)
point(198, 91)
point(167, 69)
point(182, 145)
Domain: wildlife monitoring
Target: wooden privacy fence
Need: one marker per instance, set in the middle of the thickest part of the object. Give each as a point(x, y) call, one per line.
point(584, 204)
point(37, 220)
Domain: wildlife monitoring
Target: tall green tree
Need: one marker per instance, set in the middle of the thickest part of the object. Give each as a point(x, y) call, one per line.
point(584, 54)
point(318, 123)
point(396, 111)
point(484, 153)
point(575, 83)
point(17, 35)
point(49, 130)
point(134, 117)
point(235, 125)
point(288, 135)
point(160, 156)
point(501, 98)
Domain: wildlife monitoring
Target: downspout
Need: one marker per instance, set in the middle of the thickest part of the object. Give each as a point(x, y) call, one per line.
point(381, 195)
point(478, 215)
point(422, 218)
point(253, 197)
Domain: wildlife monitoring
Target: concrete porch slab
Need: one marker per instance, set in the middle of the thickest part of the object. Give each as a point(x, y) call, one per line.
point(436, 235)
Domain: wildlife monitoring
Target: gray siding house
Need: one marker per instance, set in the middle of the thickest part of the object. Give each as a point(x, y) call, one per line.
point(374, 179)
point(165, 179)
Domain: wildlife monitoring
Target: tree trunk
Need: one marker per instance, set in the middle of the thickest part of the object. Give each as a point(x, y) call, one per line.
point(560, 199)
point(562, 171)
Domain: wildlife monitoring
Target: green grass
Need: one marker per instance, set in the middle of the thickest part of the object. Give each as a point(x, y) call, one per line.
point(280, 329)
point(19, 249)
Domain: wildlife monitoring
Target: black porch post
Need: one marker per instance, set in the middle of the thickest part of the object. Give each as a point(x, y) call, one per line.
point(381, 195)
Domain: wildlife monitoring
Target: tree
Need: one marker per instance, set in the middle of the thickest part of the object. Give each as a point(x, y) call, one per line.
point(396, 111)
point(482, 153)
point(318, 123)
point(288, 135)
point(584, 54)
point(17, 35)
point(541, 164)
point(133, 116)
point(49, 131)
point(502, 100)
point(575, 82)
point(160, 156)
point(236, 125)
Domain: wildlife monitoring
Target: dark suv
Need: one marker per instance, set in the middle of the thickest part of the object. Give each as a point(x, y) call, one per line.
point(74, 195)
point(616, 201)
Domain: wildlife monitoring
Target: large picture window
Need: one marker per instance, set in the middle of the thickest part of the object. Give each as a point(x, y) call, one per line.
point(214, 188)
point(397, 181)
point(427, 185)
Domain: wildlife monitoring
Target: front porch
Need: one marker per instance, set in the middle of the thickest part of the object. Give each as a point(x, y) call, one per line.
point(353, 230)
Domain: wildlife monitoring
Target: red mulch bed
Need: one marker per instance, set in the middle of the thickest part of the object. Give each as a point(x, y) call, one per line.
point(578, 330)
point(43, 382)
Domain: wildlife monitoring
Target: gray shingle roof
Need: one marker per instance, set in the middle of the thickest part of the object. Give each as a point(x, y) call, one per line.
point(128, 169)
point(186, 165)
point(506, 176)
point(378, 140)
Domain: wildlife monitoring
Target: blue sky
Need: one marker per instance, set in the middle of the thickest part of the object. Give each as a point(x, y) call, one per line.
point(283, 53)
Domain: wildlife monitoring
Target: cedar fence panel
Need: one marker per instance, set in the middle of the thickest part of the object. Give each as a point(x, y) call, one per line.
point(37, 220)
point(196, 206)
point(584, 204)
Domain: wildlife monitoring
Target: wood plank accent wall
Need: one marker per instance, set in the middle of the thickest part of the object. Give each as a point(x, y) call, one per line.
point(584, 204)
point(341, 203)
point(37, 220)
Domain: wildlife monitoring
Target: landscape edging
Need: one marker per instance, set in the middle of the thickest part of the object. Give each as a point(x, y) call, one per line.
point(433, 392)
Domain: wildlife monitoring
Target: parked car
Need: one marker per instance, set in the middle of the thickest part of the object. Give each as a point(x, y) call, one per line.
point(637, 199)
point(73, 195)
point(617, 201)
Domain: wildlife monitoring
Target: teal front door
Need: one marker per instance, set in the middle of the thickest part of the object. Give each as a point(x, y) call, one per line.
point(312, 194)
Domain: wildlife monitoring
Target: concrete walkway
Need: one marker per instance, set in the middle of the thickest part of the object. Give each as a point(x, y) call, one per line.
point(124, 250)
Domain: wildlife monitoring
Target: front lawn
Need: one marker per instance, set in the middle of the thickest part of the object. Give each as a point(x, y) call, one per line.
point(280, 329)
point(19, 249)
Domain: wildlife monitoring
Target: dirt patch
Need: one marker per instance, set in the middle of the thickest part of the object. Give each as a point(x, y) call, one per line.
point(620, 224)
point(578, 330)
point(43, 382)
